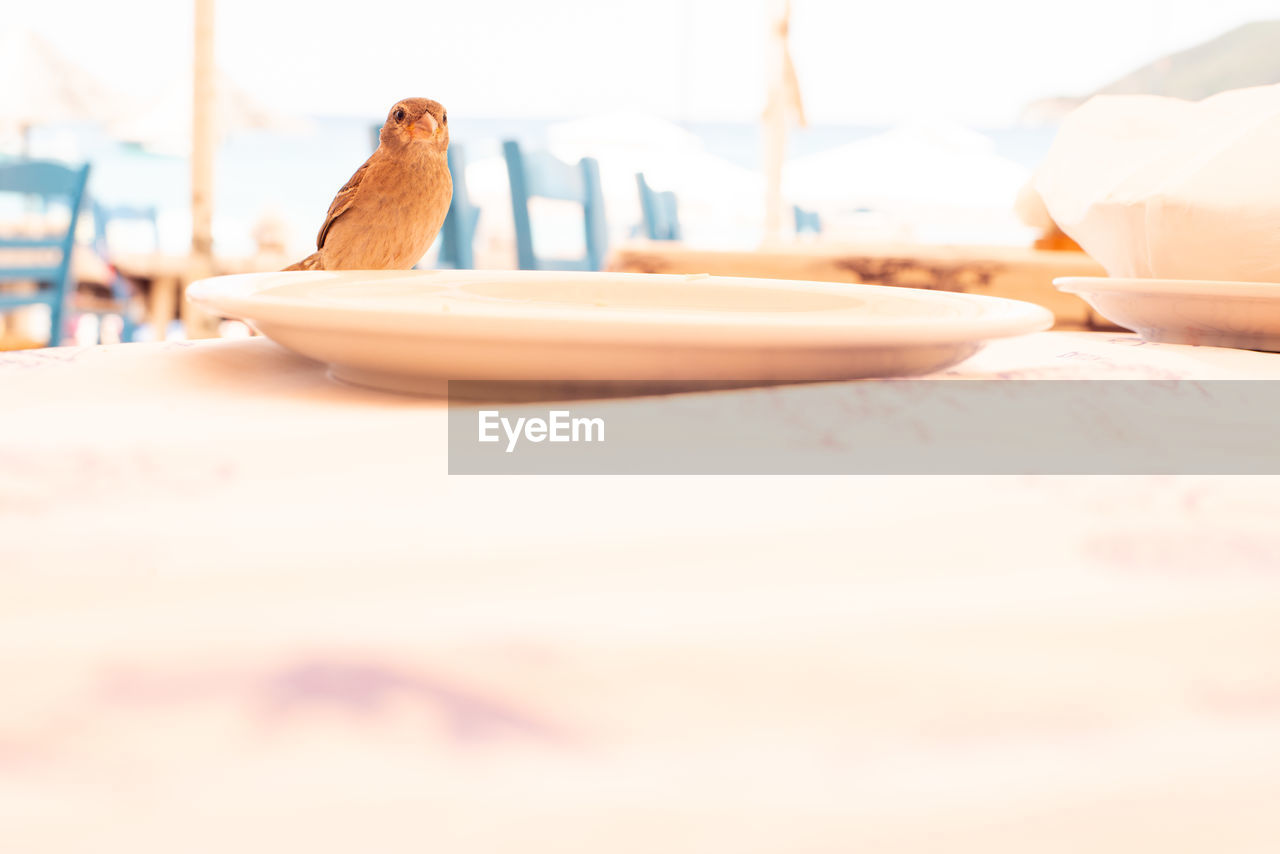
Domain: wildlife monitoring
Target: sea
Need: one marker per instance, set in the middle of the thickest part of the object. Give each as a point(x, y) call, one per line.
point(291, 176)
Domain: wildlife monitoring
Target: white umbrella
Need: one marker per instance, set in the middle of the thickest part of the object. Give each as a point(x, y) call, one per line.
point(38, 85)
point(707, 187)
point(671, 157)
point(164, 124)
point(621, 129)
point(921, 164)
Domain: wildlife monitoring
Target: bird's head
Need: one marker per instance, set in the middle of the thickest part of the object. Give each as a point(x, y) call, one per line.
point(416, 121)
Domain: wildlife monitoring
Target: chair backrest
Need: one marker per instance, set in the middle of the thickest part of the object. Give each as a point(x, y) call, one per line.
point(103, 215)
point(538, 174)
point(660, 210)
point(807, 221)
point(457, 235)
point(45, 258)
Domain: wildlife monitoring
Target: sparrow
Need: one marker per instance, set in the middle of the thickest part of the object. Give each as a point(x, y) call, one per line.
point(387, 215)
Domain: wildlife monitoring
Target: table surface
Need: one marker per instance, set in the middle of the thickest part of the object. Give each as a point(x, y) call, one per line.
point(244, 606)
point(1017, 272)
point(151, 265)
point(823, 248)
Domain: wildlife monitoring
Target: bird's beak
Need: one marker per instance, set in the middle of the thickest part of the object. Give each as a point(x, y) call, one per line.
point(427, 123)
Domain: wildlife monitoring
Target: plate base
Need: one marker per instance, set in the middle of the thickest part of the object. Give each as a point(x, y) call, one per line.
point(1239, 315)
point(1266, 343)
point(384, 381)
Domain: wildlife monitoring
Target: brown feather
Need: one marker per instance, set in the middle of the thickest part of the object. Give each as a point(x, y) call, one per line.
point(311, 262)
point(343, 201)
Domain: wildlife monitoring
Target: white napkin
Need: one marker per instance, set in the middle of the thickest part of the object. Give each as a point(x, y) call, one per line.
point(1158, 187)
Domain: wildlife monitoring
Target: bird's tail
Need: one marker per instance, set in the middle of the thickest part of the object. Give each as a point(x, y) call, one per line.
point(311, 262)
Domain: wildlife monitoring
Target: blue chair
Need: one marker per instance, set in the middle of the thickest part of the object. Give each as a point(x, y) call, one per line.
point(103, 215)
point(458, 233)
point(661, 211)
point(541, 175)
point(807, 221)
point(43, 260)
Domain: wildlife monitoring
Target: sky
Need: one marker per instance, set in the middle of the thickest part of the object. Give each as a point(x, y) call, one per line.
point(977, 61)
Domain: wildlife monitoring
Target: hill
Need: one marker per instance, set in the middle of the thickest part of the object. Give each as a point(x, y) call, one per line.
point(1246, 56)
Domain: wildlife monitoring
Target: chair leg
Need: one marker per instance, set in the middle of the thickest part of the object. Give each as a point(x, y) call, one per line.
point(55, 322)
point(120, 292)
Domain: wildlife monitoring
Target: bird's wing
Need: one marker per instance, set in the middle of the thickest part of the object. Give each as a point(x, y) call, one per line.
point(342, 202)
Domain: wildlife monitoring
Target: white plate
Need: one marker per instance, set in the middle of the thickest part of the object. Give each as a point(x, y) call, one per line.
point(412, 331)
point(1245, 315)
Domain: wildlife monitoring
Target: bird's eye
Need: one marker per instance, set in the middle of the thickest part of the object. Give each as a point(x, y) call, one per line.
point(444, 118)
point(399, 114)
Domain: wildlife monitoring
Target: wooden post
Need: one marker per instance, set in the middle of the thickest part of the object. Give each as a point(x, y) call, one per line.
point(782, 106)
point(204, 143)
point(775, 152)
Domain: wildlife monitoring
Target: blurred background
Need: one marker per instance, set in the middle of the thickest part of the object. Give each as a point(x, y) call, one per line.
point(916, 122)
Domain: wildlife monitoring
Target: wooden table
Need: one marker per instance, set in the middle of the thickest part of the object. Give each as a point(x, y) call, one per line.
point(1003, 271)
point(169, 275)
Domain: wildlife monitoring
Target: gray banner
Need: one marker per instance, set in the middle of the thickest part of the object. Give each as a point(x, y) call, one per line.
point(869, 427)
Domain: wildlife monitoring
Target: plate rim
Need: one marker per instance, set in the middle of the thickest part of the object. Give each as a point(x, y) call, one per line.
point(998, 317)
point(1167, 287)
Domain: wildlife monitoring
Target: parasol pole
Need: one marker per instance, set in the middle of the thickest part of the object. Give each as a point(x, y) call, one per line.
point(782, 106)
point(203, 143)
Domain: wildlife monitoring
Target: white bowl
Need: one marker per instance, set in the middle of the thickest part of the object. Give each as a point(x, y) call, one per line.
point(1245, 315)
